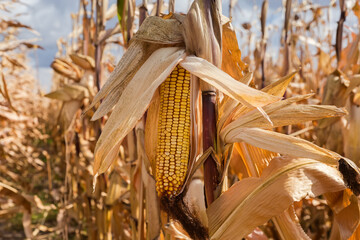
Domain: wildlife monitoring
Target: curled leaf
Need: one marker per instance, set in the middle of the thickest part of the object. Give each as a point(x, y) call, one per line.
point(285, 180)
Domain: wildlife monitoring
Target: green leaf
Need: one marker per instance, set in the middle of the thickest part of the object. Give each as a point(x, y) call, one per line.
point(120, 10)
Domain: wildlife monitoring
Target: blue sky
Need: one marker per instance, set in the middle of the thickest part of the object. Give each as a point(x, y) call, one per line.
point(51, 18)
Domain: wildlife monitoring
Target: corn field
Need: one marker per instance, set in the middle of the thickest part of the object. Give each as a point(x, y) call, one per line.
point(165, 124)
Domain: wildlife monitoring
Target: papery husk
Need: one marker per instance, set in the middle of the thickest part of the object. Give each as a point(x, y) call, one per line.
point(284, 144)
point(288, 225)
point(69, 92)
point(284, 115)
point(230, 109)
point(153, 34)
point(85, 62)
point(202, 31)
point(231, 54)
point(250, 161)
point(161, 31)
point(225, 83)
point(129, 64)
point(285, 180)
point(151, 130)
point(342, 203)
point(346, 221)
point(67, 69)
point(244, 114)
point(116, 189)
point(133, 103)
point(351, 133)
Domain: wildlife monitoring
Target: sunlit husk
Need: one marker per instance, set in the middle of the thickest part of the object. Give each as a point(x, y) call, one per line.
point(281, 143)
point(285, 180)
point(133, 103)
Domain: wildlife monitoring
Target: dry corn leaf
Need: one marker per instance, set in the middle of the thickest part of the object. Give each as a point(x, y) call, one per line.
point(116, 188)
point(133, 58)
point(228, 108)
point(202, 32)
point(242, 114)
point(67, 69)
point(225, 83)
point(231, 54)
point(85, 62)
point(278, 87)
point(161, 31)
point(69, 92)
point(5, 93)
point(133, 103)
point(11, 45)
point(286, 115)
point(347, 220)
point(351, 133)
point(288, 226)
point(342, 203)
point(280, 143)
point(285, 180)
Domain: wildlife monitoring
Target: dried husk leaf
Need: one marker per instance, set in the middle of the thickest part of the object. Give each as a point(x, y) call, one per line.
point(129, 64)
point(69, 92)
point(278, 87)
point(85, 62)
point(117, 188)
point(151, 130)
point(288, 226)
point(351, 133)
point(67, 69)
point(231, 54)
point(285, 180)
point(158, 30)
point(225, 83)
point(202, 31)
point(286, 115)
point(68, 112)
point(152, 205)
point(133, 103)
point(281, 143)
point(20, 200)
point(229, 109)
point(244, 115)
point(347, 220)
point(342, 203)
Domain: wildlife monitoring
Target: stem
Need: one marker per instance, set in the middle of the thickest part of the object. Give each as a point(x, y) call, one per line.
point(211, 174)
point(143, 12)
point(263, 40)
point(171, 6)
point(286, 40)
point(339, 30)
point(158, 7)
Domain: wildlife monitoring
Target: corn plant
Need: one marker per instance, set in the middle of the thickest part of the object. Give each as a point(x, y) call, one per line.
point(177, 50)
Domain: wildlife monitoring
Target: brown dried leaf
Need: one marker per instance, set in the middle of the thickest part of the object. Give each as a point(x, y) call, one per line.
point(67, 69)
point(69, 92)
point(281, 143)
point(285, 180)
point(85, 62)
point(231, 54)
point(285, 115)
point(129, 64)
point(225, 83)
point(161, 31)
point(133, 103)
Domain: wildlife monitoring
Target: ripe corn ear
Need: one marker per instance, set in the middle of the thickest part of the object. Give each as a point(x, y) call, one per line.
point(172, 152)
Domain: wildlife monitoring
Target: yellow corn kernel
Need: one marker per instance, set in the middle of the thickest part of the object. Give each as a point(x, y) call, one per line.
point(173, 146)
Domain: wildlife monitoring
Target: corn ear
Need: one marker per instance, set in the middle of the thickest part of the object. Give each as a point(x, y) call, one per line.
point(172, 153)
